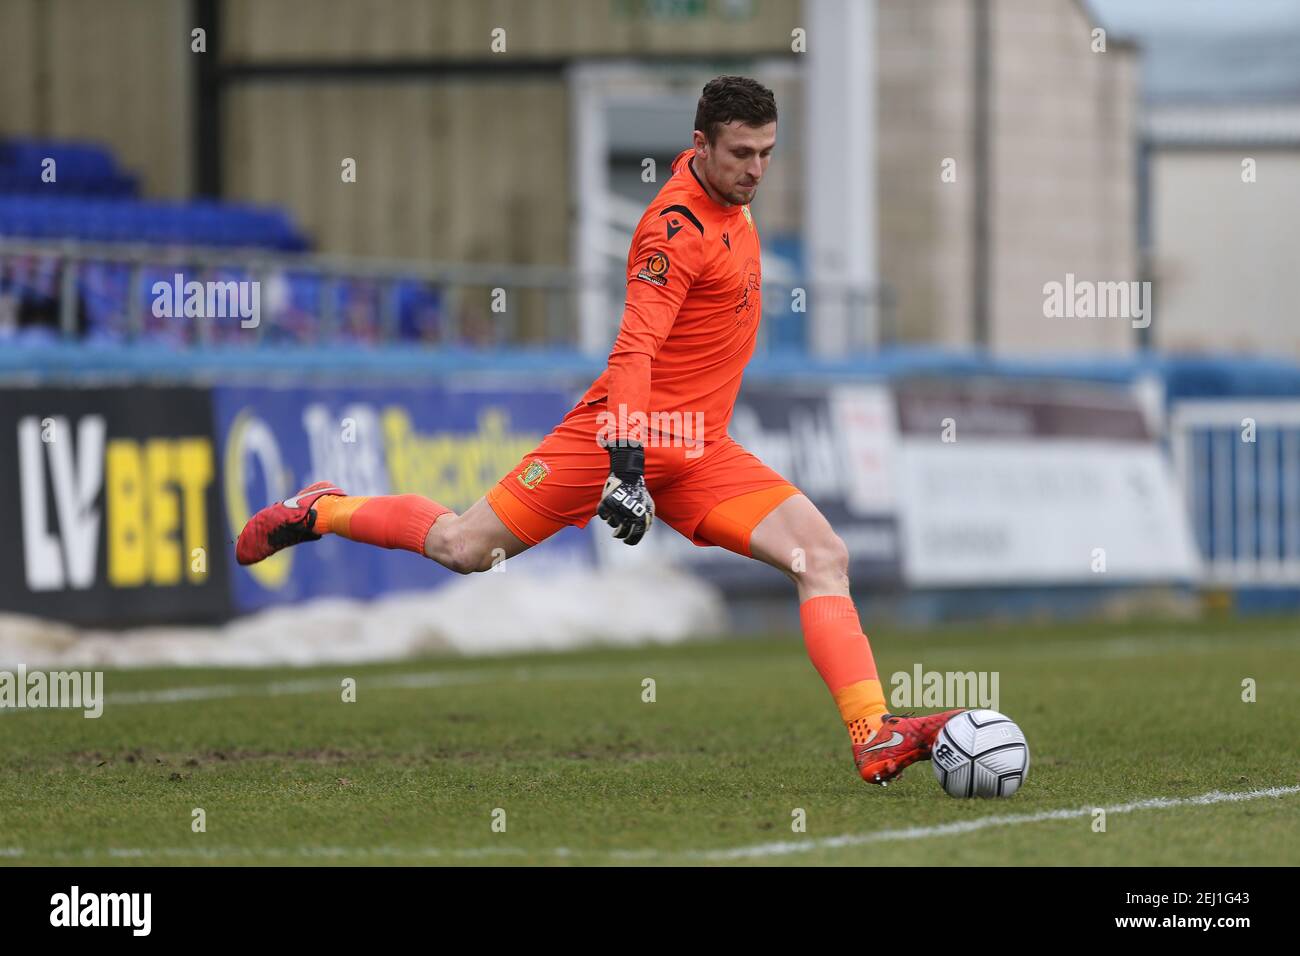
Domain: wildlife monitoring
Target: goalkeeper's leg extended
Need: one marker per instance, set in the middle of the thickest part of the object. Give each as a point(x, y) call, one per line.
point(796, 538)
point(558, 484)
point(474, 541)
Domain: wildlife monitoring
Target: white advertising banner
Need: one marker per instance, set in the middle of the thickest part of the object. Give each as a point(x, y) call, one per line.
point(1014, 512)
point(1011, 482)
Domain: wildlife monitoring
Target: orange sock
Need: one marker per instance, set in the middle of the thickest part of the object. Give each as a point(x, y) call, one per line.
point(842, 655)
point(389, 521)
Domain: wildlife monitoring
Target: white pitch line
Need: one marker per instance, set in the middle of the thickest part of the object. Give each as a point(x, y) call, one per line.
point(181, 695)
point(423, 679)
point(781, 848)
point(176, 695)
point(983, 823)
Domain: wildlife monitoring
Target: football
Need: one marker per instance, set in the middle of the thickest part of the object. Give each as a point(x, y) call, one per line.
point(980, 753)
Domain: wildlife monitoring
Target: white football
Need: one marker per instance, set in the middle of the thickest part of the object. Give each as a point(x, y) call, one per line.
point(980, 753)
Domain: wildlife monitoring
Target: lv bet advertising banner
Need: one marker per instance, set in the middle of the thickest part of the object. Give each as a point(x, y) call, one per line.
point(125, 502)
point(110, 497)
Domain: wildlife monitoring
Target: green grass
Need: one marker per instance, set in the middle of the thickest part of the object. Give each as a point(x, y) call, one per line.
point(740, 735)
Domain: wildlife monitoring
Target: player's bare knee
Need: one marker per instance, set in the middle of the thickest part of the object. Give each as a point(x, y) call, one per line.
point(827, 561)
point(464, 556)
point(448, 544)
point(477, 552)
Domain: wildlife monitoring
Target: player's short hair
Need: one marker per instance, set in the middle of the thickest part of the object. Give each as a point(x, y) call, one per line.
point(729, 98)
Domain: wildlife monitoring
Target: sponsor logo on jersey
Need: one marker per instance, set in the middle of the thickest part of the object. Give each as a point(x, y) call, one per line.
point(655, 269)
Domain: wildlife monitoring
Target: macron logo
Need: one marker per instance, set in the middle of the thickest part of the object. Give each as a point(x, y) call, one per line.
point(103, 909)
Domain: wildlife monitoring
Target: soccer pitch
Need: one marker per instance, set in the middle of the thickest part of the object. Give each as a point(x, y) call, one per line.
point(559, 759)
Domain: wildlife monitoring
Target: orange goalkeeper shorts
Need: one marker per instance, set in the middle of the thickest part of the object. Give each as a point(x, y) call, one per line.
point(713, 493)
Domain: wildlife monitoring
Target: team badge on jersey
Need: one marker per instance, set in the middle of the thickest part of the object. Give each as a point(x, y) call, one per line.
point(532, 476)
point(655, 269)
point(747, 294)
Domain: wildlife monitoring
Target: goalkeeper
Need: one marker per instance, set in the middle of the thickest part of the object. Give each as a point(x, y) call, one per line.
point(648, 441)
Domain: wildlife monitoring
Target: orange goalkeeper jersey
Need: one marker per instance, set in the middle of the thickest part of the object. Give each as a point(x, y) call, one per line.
point(691, 315)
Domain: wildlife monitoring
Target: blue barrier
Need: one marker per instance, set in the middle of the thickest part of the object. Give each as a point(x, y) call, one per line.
point(1183, 377)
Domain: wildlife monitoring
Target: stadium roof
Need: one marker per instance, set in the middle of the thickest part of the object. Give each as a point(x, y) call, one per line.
point(1219, 124)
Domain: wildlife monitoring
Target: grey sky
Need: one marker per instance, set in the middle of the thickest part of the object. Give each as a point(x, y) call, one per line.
point(1200, 16)
point(1212, 49)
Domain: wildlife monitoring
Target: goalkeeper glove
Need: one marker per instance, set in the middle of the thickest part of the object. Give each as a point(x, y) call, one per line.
point(625, 504)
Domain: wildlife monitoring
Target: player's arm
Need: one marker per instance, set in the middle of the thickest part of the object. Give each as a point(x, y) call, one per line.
point(662, 269)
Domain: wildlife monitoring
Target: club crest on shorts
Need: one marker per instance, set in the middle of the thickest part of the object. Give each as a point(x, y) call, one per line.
point(532, 476)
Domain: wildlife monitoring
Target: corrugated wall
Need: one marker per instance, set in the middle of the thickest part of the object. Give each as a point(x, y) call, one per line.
point(331, 29)
point(463, 170)
point(116, 71)
point(472, 169)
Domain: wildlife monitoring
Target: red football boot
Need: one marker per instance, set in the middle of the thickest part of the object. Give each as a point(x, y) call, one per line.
point(284, 523)
point(898, 743)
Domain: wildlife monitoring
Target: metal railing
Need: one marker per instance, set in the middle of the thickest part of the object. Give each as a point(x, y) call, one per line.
point(364, 300)
point(486, 305)
point(1239, 465)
